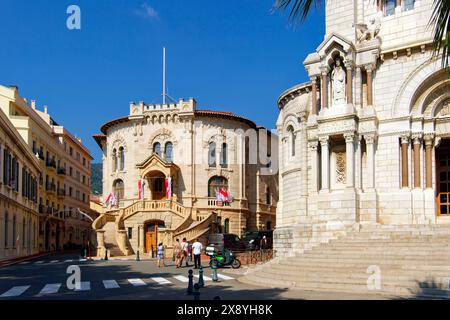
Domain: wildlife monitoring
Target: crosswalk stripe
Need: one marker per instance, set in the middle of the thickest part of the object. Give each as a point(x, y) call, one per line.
point(110, 284)
point(182, 278)
point(70, 260)
point(39, 262)
point(224, 277)
point(206, 278)
point(50, 288)
point(54, 261)
point(83, 260)
point(137, 282)
point(25, 262)
point(84, 286)
point(14, 291)
point(160, 280)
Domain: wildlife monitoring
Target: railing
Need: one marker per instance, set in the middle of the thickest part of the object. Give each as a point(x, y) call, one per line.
point(196, 229)
point(267, 208)
point(61, 192)
point(154, 205)
point(210, 202)
point(51, 187)
point(61, 170)
point(50, 163)
point(255, 256)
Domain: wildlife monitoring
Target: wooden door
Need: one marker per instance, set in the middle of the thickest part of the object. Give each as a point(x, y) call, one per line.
point(151, 234)
point(443, 185)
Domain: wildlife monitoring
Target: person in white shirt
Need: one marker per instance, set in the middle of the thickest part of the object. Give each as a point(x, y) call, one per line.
point(197, 251)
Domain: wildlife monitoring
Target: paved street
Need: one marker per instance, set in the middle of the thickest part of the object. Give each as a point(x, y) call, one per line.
point(46, 278)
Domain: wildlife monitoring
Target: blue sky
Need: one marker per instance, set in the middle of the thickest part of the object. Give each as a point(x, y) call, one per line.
point(230, 55)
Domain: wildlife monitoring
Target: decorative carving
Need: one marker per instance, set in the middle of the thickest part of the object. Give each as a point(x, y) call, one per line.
point(445, 110)
point(340, 167)
point(368, 32)
point(338, 78)
point(404, 139)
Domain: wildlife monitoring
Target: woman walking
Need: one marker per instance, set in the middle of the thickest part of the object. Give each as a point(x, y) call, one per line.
point(177, 252)
point(161, 255)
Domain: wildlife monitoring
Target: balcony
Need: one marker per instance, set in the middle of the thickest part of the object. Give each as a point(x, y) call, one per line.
point(51, 163)
point(50, 187)
point(61, 170)
point(41, 155)
point(61, 192)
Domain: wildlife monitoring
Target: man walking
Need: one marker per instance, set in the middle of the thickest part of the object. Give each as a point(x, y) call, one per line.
point(184, 252)
point(197, 251)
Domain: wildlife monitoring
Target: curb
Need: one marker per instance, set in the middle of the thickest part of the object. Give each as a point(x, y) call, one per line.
point(7, 263)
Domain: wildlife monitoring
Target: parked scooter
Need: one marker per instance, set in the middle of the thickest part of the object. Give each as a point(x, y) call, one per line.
point(219, 260)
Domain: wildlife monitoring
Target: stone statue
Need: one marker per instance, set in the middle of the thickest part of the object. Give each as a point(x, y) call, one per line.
point(338, 82)
point(370, 32)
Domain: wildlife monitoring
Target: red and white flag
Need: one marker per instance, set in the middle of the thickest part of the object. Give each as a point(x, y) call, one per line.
point(108, 199)
point(223, 195)
point(168, 184)
point(141, 185)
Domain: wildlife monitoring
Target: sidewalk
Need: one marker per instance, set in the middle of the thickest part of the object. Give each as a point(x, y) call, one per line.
point(12, 261)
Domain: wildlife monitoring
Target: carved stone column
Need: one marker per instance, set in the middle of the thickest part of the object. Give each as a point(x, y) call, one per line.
point(314, 165)
point(324, 88)
point(428, 161)
point(349, 85)
point(358, 163)
point(313, 95)
point(370, 140)
point(404, 148)
point(369, 85)
point(324, 145)
point(350, 159)
point(417, 142)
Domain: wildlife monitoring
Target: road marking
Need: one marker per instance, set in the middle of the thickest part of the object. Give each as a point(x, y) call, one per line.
point(160, 280)
point(224, 277)
point(38, 262)
point(206, 278)
point(15, 291)
point(182, 278)
point(137, 282)
point(50, 288)
point(70, 260)
point(54, 261)
point(84, 286)
point(25, 262)
point(110, 284)
point(83, 260)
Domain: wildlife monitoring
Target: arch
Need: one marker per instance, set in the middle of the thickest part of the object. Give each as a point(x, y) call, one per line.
point(224, 156)
point(157, 148)
point(403, 102)
point(114, 160)
point(118, 188)
point(212, 154)
point(216, 182)
point(291, 140)
point(121, 158)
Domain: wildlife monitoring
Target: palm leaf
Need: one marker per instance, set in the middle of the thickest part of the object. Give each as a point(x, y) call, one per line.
point(299, 9)
point(441, 20)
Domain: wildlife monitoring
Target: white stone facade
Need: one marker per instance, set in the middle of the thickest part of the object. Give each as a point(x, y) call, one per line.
point(379, 156)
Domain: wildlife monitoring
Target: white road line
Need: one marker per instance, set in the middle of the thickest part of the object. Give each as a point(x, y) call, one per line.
point(84, 286)
point(15, 291)
point(137, 282)
point(50, 288)
point(110, 284)
point(182, 278)
point(160, 280)
point(70, 260)
point(54, 261)
point(25, 262)
point(224, 277)
point(206, 278)
point(39, 262)
point(83, 260)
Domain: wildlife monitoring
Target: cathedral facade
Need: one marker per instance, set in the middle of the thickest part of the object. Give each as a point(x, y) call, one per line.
point(367, 139)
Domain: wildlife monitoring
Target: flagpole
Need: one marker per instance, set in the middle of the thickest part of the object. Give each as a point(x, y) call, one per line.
point(164, 75)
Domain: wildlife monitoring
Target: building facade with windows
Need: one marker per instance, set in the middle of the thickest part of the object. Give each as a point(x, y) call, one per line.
point(19, 173)
point(60, 178)
point(202, 152)
point(366, 140)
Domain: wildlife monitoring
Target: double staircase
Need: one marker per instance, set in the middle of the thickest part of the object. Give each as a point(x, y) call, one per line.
point(397, 261)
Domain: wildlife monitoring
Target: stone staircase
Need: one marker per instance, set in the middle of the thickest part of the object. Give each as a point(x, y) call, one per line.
point(412, 261)
point(111, 241)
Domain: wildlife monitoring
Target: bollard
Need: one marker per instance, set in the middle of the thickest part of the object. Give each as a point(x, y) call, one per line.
point(106, 254)
point(214, 272)
point(191, 283)
point(137, 256)
point(201, 282)
point(196, 291)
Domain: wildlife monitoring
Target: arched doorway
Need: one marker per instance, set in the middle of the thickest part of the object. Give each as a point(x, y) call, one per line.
point(443, 178)
point(156, 180)
point(151, 234)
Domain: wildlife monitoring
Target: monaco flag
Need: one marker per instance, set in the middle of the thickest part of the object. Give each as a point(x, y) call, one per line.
point(168, 183)
point(223, 195)
point(141, 185)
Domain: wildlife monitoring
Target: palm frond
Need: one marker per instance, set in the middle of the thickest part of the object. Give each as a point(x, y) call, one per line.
point(299, 9)
point(440, 18)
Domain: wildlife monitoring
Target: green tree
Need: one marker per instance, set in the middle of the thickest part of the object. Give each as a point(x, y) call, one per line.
point(440, 19)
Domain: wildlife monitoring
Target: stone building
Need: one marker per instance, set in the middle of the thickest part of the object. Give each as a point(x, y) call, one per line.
point(19, 217)
point(201, 151)
point(64, 174)
point(364, 151)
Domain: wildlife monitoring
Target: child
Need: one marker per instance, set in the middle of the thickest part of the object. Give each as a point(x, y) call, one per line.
point(161, 255)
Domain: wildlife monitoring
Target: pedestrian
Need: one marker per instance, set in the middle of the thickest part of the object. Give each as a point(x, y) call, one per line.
point(263, 245)
point(197, 251)
point(161, 255)
point(190, 253)
point(184, 252)
point(177, 252)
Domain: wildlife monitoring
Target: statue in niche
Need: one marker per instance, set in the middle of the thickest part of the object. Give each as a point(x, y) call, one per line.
point(338, 77)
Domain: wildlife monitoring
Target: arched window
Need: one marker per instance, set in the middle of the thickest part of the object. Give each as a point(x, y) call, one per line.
point(157, 148)
point(122, 158)
point(269, 225)
point(216, 183)
point(224, 156)
point(291, 143)
point(114, 160)
point(6, 228)
point(226, 226)
point(169, 152)
point(14, 231)
point(118, 188)
point(212, 154)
